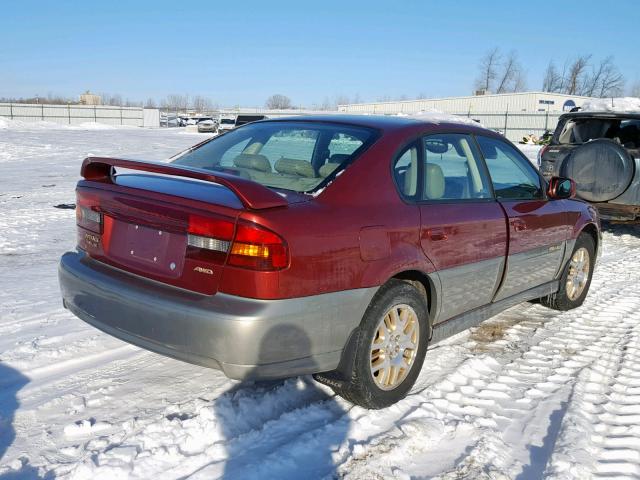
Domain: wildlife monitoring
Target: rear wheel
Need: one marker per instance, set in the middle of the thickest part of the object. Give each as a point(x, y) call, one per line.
point(389, 348)
point(576, 277)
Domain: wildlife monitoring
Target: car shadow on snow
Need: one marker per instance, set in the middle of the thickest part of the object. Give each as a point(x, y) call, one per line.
point(11, 381)
point(284, 428)
point(619, 229)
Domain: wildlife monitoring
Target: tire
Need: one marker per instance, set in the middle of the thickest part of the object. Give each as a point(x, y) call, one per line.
point(360, 387)
point(566, 298)
point(602, 170)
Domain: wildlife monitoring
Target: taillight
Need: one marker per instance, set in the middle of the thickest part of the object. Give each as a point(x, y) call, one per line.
point(252, 246)
point(209, 234)
point(257, 248)
point(87, 214)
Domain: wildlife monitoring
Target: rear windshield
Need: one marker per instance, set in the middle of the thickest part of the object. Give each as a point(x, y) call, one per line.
point(298, 156)
point(576, 131)
point(228, 121)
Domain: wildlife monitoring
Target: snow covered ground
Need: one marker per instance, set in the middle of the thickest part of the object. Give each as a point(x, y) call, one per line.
point(532, 393)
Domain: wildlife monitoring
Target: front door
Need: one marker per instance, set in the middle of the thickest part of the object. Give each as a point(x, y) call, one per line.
point(463, 229)
point(537, 226)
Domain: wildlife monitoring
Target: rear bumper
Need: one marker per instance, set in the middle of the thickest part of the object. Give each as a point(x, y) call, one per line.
point(245, 338)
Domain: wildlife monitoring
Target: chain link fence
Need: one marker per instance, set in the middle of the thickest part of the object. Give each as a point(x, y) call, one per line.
point(73, 114)
point(514, 126)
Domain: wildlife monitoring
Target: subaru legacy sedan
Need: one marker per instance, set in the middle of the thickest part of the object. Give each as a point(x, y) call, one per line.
point(339, 246)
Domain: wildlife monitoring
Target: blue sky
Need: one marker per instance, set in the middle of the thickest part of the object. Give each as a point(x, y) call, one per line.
point(239, 53)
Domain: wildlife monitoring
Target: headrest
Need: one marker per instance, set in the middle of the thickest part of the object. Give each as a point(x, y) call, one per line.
point(327, 169)
point(433, 182)
point(252, 161)
point(291, 166)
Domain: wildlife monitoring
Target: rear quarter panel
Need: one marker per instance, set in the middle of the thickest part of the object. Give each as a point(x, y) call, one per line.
point(357, 233)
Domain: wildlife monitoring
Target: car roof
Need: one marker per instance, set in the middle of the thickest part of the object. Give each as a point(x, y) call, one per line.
point(603, 114)
point(384, 122)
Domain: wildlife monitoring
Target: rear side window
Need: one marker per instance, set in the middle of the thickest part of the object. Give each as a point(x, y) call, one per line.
point(405, 171)
point(512, 175)
point(453, 169)
point(296, 156)
point(343, 144)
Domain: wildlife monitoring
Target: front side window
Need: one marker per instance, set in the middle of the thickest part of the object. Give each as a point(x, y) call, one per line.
point(296, 156)
point(513, 176)
point(452, 169)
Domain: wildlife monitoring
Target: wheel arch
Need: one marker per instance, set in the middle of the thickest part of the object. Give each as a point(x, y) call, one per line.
point(424, 283)
point(591, 230)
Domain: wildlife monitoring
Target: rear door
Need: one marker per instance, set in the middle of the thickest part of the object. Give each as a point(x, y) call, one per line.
point(463, 229)
point(538, 226)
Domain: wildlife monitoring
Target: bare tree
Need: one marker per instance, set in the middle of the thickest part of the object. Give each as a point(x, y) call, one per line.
point(278, 102)
point(574, 84)
point(341, 99)
point(327, 104)
point(511, 78)
point(634, 91)
point(201, 104)
point(552, 79)
point(500, 74)
point(580, 77)
point(150, 103)
point(488, 69)
point(176, 102)
point(610, 80)
point(109, 99)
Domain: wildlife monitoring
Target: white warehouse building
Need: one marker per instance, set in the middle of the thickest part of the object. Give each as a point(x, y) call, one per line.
point(489, 103)
point(512, 114)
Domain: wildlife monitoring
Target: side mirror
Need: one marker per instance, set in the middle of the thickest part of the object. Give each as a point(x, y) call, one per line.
point(560, 187)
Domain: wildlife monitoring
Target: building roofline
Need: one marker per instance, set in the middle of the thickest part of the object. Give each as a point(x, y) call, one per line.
point(493, 95)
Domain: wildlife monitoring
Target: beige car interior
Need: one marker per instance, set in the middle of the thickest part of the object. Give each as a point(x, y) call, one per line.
point(289, 173)
point(435, 181)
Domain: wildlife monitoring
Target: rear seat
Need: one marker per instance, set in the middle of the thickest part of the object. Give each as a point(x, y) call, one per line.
point(290, 166)
point(291, 173)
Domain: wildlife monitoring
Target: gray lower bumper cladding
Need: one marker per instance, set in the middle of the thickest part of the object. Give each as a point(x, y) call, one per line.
point(245, 338)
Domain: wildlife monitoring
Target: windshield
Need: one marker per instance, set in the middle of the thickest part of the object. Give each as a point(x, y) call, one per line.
point(296, 156)
point(227, 121)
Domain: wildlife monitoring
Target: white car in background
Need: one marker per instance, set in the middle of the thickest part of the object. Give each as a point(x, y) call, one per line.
point(226, 123)
point(207, 125)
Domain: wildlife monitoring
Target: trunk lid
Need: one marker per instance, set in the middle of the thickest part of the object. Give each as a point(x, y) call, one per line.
point(175, 228)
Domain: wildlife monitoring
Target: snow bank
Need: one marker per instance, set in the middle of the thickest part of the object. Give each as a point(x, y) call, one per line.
point(9, 124)
point(621, 104)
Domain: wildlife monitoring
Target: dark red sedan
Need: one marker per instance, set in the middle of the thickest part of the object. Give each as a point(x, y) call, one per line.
point(338, 246)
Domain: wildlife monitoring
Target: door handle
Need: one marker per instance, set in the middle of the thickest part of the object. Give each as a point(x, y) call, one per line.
point(519, 225)
point(437, 234)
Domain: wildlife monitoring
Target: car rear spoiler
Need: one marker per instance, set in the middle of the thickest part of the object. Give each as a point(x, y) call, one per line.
point(252, 195)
